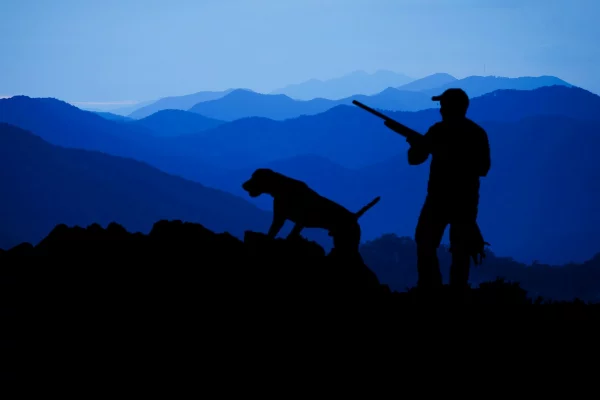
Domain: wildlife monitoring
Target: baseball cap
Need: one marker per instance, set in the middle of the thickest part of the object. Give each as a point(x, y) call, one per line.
point(453, 96)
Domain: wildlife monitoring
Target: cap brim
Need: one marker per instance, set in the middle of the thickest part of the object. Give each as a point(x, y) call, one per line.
point(437, 98)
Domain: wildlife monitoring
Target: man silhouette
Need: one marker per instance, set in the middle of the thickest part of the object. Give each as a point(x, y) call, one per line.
point(460, 155)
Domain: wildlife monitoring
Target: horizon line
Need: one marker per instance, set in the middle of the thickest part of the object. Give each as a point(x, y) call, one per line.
point(135, 102)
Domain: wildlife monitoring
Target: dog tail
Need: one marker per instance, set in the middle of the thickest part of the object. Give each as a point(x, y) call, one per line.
point(366, 208)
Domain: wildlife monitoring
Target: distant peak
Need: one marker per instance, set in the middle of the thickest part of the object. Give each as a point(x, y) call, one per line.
point(388, 90)
point(18, 97)
point(357, 72)
point(169, 111)
point(241, 93)
point(441, 75)
point(21, 97)
point(240, 90)
point(546, 90)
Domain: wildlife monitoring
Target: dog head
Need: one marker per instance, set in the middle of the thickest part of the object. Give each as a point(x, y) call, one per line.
point(260, 182)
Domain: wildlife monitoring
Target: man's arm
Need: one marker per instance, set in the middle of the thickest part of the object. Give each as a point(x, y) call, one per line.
point(420, 145)
point(420, 148)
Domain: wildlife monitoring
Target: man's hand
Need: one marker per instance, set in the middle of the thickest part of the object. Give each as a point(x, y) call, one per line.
point(411, 136)
point(412, 139)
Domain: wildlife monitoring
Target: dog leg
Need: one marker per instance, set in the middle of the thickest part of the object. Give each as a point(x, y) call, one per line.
point(295, 231)
point(276, 226)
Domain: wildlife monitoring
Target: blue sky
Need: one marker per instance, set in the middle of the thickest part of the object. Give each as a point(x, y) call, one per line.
point(134, 50)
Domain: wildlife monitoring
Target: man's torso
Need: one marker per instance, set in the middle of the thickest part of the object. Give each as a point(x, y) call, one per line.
point(452, 175)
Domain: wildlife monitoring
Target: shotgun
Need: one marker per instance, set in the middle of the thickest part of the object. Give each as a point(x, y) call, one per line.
point(390, 123)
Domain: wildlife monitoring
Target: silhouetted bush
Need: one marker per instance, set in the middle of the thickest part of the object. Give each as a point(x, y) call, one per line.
point(195, 267)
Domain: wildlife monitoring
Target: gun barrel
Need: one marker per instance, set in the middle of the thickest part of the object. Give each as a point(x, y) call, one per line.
point(396, 126)
point(372, 111)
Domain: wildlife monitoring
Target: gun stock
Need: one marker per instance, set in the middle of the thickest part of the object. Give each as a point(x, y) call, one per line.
point(392, 124)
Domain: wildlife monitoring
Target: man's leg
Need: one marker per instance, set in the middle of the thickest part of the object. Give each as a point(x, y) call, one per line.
point(463, 231)
point(428, 236)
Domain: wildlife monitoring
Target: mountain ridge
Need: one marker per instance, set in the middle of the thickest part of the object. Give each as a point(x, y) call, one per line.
point(184, 102)
point(112, 116)
point(169, 122)
point(62, 124)
point(82, 187)
point(476, 86)
point(324, 132)
point(344, 86)
point(352, 138)
point(242, 104)
point(429, 82)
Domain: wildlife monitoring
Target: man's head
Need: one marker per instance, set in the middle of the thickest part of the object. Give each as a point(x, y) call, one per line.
point(453, 103)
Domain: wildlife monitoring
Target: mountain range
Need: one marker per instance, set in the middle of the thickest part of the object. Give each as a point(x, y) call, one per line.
point(534, 204)
point(112, 116)
point(177, 103)
point(358, 82)
point(64, 125)
point(354, 138)
point(479, 85)
point(349, 156)
point(45, 185)
point(176, 122)
point(243, 103)
point(528, 131)
point(429, 82)
point(117, 110)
